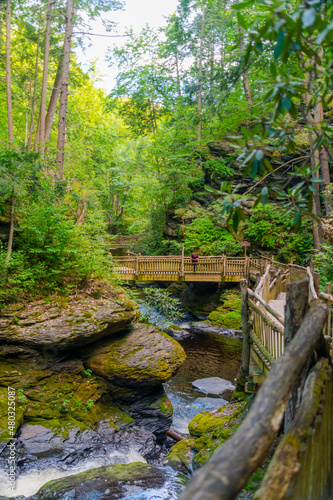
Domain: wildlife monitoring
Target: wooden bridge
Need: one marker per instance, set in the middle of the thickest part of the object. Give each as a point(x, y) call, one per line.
point(180, 268)
point(287, 342)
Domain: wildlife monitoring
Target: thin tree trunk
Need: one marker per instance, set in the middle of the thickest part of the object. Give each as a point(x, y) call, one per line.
point(314, 157)
point(11, 232)
point(64, 90)
point(245, 76)
point(8, 76)
point(53, 101)
point(33, 103)
point(178, 76)
point(199, 131)
point(41, 129)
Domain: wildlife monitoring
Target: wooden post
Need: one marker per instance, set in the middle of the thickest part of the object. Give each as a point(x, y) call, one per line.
point(296, 307)
point(328, 290)
point(182, 262)
point(245, 328)
point(137, 265)
point(223, 257)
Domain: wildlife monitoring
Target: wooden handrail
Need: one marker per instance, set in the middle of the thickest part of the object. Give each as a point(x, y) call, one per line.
point(266, 319)
point(266, 306)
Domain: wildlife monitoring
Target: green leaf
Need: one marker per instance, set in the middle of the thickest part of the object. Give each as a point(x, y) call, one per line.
point(268, 165)
point(321, 37)
point(297, 221)
point(279, 45)
point(259, 155)
point(273, 71)
point(241, 20)
point(309, 17)
point(240, 6)
point(286, 102)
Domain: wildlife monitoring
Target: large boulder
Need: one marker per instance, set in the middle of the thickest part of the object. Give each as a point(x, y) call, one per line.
point(136, 480)
point(144, 357)
point(63, 324)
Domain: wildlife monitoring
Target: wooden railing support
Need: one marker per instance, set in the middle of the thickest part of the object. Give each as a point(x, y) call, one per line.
point(231, 466)
point(297, 301)
point(245, 313)
point(182, 262)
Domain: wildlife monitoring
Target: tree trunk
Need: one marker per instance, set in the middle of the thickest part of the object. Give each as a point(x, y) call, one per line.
point(314, 157)
point(81, 210)
point(40, 139)
point(8, 76)
point(178, 76)
point(53, 101)
point(33, 102)
point(64, 90)
point(11, 233)
point(245, 76)
point(321, 154)
point(199, 131)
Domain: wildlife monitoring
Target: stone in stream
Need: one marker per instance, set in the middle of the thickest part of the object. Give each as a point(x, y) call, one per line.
point(213, 385)
point(121, 481)
point(204, 327)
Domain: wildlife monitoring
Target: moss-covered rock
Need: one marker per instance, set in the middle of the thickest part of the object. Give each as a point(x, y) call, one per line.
point(181, 455)
point(228, 315)
point(208, 430)
point(60, 325)
point(145, 356)
point(111, 483)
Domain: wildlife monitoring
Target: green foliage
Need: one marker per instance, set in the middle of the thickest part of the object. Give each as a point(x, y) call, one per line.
point(271, 229)
point(160, 301)
point(324, 264)
point(207, 234)
point(218, 168)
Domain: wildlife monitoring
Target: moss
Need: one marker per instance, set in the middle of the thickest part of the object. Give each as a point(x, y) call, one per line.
point(227, 319)
point(175, 327)
point(181, 454)
point(233, 303)
point(164, 404)
point(88, 314)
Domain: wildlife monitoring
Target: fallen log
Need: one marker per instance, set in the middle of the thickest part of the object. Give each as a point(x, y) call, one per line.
point(176, 436)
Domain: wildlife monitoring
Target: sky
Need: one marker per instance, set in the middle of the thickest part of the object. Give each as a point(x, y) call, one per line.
point(136, 13)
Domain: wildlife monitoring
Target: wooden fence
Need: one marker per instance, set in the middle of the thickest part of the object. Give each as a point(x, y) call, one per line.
point(298, 391)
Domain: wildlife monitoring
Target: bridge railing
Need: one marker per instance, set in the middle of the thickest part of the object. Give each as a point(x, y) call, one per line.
point(298, 390)
point(214, 265)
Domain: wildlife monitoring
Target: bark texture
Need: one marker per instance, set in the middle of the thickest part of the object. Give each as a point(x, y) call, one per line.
point(232, 464)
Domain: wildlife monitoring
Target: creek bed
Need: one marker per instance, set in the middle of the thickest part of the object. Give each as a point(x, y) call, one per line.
point(207, 355)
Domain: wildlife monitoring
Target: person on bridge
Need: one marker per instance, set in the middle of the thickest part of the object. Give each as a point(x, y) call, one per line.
point(195, 259)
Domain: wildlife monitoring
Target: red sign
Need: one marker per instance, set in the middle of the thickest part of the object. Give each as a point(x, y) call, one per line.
point(245, 244)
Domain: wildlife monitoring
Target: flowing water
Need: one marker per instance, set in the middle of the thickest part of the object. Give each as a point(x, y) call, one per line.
point(207, 355)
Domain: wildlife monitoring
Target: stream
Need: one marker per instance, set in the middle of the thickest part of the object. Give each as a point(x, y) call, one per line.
point(207, 355)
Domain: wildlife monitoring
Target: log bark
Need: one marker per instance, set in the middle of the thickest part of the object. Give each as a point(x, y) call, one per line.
point(233, 463)
point(176, 436)
point(285, 463)
point(245, 76)
point(11, 233)
point(297, 304)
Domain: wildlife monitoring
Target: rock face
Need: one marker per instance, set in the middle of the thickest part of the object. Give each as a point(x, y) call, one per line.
point(78, 322)
point(91, 397)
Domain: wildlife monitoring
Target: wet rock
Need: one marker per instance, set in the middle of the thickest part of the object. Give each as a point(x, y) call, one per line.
point(78, 322)
point(208, 404)
point(143, 357)
point(206, 327)
point(177, 332)
point(213, 385)
point(121, 481)
point(154, 412)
